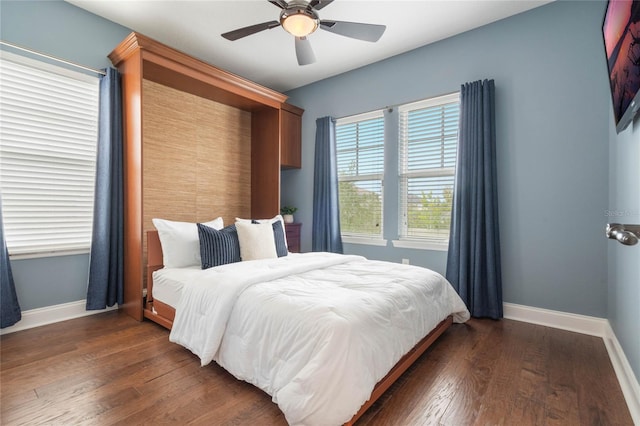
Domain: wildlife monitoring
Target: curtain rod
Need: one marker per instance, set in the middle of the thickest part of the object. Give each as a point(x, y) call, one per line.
point(64, 61)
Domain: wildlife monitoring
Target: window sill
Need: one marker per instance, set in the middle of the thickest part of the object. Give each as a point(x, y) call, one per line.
point(22, 256)
point(421, 244)
point(364, 240)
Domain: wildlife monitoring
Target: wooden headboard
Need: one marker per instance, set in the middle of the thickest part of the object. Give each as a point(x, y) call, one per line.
point(154, 259)
point(155, 310)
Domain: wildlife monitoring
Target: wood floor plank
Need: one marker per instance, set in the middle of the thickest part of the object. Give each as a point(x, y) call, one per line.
point(526, 411)
point(441, 395)
point(533, 374)
point(593, 387)
point(474, 375)
point(562, 399)
point(495, 408)
point(108, 369)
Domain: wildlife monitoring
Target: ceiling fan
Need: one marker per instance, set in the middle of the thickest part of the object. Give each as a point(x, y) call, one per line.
point(300, 18)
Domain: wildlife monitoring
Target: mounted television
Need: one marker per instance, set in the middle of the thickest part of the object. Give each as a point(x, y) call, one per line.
point(621, 33)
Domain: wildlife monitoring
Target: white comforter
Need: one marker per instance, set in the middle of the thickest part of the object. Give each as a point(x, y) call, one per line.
point(315, 331)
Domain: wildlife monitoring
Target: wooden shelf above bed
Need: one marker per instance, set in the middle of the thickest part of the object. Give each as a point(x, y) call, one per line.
point(145, 63)
point(176, 69)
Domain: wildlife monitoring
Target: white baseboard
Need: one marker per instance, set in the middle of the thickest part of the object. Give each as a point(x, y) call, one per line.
point(626, 378)
point(50, 314)
point(592, 326)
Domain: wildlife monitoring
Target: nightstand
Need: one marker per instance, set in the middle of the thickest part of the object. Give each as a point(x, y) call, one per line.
point(293, 236)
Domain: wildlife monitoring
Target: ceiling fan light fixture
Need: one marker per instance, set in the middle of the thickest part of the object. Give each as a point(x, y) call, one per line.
point(299, 22)
point(300, 18)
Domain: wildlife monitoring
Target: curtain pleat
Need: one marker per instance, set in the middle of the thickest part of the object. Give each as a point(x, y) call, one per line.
point(473, 262)
point(326, 212)
point(106, 264)
point(10, 312)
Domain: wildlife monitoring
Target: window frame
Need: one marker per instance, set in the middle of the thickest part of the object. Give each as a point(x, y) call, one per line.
point(55, 148)
point(411, 241)
point(360, 238)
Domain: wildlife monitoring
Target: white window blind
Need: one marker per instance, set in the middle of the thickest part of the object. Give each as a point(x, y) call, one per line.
point(360, 156)
point(48, 137)
point(427, 154)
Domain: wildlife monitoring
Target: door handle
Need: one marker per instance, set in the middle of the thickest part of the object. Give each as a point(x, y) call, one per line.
point(625, 234)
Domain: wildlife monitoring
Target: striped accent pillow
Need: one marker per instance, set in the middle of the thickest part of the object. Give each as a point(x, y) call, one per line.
point(278, 236)
point(218, 247)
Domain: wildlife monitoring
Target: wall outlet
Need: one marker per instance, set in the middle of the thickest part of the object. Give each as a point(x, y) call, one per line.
point(405, 261)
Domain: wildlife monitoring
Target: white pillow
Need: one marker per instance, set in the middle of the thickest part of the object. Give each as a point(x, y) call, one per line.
point(273, 219)
point(256, 240)
point(180, 242)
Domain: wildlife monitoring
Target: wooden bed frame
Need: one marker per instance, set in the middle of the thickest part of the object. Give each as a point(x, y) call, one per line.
point(164, 314)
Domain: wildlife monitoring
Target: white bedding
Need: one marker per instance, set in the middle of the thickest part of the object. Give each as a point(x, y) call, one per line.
point(316, 331)
point(169, 282)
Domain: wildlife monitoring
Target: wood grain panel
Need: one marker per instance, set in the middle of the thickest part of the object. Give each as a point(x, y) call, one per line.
point(290, 132)
point(169, 154)
point(132, 126)
point(195, 157)
point(223, 184)
point(265, 159)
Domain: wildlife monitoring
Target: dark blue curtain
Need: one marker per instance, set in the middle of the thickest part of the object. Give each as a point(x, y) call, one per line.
point(325, 235)
point(10, 312)
point(106, 264)
point(473, 263)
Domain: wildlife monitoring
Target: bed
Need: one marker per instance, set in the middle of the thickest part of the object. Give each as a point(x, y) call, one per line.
point(342, 346)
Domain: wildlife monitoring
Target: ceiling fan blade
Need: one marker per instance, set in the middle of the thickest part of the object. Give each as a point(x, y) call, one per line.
point(319, 4)
point(360, 31)
point(280, 3)
point(247, 31)
point(304, 52)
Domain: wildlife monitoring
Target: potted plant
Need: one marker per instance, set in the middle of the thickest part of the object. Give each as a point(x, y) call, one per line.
point(287, 213)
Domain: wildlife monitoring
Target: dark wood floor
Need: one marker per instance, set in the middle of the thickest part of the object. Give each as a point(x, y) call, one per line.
point(109, 369)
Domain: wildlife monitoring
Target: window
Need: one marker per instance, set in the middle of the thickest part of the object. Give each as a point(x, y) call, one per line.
point(48, 136)
point(360, 155)
point(427, 159)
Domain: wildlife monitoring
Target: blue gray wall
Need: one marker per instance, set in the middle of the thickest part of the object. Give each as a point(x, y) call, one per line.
point(59, 29)
point(552, 145)
point(624, 262)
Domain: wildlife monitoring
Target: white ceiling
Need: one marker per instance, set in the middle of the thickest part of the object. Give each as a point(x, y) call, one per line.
point(268, 57)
